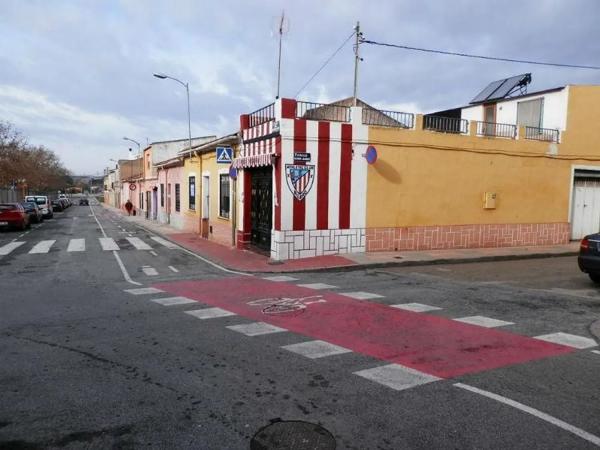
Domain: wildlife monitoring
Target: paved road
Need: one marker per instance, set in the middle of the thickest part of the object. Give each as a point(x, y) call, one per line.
point(89, 360)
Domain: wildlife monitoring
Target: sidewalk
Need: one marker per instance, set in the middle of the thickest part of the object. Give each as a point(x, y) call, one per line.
point(247, 261)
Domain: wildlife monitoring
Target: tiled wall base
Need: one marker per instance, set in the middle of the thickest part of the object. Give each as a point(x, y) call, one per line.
point(304, 244)
point(466, 236)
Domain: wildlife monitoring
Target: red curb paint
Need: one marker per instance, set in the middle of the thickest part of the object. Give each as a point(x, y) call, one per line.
point(430, 344)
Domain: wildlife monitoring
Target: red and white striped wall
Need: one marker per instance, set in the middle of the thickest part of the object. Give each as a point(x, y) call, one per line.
point(332, 217)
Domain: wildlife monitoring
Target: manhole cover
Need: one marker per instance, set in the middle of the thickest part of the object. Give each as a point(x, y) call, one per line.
point(292, 435)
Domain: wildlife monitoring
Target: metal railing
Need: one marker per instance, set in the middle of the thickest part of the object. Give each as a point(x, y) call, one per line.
point(321, 111)
point(262, 115)
point(445, 124)
point(541, 134)
point(504, 130)
point(383, 118)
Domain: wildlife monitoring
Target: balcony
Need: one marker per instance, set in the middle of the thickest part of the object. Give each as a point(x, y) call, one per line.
point(322, 111)
point(541, 134)
point(445, 124)
point(383, 118)
point(262, 115)
point(492, 129)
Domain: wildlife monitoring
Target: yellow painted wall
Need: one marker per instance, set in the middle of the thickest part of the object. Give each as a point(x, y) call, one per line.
point(209, 163)
point(429, 178)
point(582, 136)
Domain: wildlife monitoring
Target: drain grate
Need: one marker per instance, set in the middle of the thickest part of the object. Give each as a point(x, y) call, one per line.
point(292, 434)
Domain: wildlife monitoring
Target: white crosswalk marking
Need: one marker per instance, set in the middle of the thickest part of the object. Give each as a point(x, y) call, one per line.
point(164, 242)
point(108, 244)
point(6, 249)
point(43, 246)
point(76, 245)
point(138, 243)
point(150, 271)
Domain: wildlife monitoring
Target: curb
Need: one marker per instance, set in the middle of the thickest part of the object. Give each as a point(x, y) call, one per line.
point(384, 265)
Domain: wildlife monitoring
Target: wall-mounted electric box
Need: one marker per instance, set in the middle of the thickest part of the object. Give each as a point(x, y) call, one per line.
point(489, 200)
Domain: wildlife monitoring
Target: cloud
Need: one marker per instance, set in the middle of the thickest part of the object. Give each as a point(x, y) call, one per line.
point(77, 76)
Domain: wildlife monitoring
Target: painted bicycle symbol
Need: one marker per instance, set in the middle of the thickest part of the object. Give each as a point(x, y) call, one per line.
point(286, 305)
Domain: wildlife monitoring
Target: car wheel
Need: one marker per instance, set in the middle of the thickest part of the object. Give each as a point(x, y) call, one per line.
point(595, 277)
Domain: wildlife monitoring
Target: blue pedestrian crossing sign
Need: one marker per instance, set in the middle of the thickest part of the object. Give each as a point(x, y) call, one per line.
point(224, 155)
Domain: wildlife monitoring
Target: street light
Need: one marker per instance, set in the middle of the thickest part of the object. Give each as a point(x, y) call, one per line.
point(163, 76)
point(125, 138)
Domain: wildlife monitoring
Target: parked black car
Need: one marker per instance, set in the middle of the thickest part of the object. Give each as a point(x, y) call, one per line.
point(84, 202)
point(34, 212)
point(57, 205)
point(589, 256)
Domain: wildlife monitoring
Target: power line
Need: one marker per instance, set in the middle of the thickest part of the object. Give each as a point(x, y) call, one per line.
point(467, 55)
point(324, 64)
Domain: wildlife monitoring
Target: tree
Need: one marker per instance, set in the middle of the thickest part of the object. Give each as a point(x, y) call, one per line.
point(39, 167)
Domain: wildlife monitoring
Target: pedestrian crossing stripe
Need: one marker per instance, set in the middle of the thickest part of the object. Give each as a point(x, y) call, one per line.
point(78, 245)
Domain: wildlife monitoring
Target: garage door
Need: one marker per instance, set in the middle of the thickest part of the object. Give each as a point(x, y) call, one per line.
point(586, 207)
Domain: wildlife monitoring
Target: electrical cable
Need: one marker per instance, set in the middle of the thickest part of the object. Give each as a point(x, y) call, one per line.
point(489, 58)
point(324, 64)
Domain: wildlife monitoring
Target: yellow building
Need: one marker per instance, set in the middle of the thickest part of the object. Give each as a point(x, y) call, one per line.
point(207, 190)
point(522, 170)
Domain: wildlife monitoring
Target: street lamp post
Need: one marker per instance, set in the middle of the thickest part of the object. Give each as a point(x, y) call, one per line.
point(162, 76)
point(125, 138)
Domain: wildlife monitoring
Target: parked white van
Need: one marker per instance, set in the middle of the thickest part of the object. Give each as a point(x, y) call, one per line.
point(43, 203)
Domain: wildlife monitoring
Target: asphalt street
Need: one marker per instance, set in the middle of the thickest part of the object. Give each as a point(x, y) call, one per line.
point(206, 358)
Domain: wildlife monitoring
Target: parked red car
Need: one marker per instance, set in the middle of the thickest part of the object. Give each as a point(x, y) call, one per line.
point(13, 215)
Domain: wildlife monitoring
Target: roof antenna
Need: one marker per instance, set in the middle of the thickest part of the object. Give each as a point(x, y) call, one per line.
point(282, 27)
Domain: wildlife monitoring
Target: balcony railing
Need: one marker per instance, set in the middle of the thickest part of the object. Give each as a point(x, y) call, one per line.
point(541, 134)
point(445, 124)
point(321, 111)
point(383, 118)
point(492, 129)
point(262, 115)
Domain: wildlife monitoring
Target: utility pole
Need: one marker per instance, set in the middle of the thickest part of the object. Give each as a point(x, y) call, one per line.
point(357, 59)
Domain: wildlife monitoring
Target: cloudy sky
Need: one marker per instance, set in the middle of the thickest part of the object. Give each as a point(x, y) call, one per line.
point(76, 76)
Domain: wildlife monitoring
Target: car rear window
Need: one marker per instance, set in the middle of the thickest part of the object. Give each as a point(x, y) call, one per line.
point(8, 207)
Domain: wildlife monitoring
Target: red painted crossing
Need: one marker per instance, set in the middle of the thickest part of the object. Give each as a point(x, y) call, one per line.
point(430, 344)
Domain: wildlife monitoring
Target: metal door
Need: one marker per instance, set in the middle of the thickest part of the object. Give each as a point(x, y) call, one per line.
point(261, 211)
point(586, 207)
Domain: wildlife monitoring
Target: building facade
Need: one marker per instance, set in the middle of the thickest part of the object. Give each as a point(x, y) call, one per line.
point(325, 179)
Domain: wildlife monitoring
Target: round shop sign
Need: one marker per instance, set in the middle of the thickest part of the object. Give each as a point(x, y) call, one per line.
point(371, 155)
point(132, 187)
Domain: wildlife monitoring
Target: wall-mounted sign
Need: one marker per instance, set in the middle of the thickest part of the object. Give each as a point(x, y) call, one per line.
point(371, 154)
point(300, 179)
point(233, 172)
point(224, 155)
point(132, 187)
point(302, 156)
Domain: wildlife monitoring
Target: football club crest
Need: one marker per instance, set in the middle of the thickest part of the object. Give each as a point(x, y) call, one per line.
point(300, 179)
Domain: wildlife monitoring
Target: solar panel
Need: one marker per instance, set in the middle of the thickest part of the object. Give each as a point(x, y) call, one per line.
point(501, 88)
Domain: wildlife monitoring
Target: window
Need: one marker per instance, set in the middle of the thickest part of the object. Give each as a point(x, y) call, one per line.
point(177, 203)
point(192, 193)
point(162, 195)
point(169, 197)
point(224, 195)
point(529, 113)
point(141, 201)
